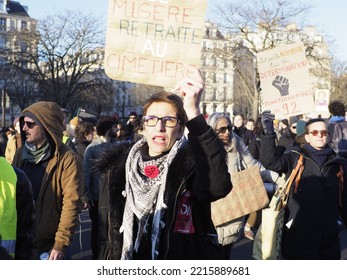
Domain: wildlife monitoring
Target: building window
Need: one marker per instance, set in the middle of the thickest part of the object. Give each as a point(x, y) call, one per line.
point(24, 25)
point(2, 24)
point(23, 46)
point(225, 78)
point(204, 75)
point(204, 45)
point(2, 43)
point(204, 61)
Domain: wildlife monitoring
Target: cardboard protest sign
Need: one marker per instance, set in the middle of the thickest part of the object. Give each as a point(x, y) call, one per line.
point(247, 195)
point(285, 81)
point(148, 41)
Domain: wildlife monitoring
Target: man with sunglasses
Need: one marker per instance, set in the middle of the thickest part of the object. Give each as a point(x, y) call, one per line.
point(56, 175)
point(316, 202)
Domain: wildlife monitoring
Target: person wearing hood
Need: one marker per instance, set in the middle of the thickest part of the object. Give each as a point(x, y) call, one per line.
point(56, 175)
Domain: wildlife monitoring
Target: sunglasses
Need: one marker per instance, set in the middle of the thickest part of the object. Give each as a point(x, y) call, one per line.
point(30, 125)
point(224, 129)
point(316, 132)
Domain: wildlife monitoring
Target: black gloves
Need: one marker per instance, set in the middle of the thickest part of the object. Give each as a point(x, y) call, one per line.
point(267, 119)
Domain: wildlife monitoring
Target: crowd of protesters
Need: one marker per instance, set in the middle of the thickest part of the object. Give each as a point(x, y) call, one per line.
point(148, 183)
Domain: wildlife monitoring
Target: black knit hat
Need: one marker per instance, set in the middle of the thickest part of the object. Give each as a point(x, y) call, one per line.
point(285, 121)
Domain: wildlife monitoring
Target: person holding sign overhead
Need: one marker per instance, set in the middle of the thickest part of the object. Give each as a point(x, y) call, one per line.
point(168, 181)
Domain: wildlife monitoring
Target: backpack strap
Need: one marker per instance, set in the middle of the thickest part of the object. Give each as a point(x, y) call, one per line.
point(300, 166)
point(296, 174)
point(298, 177)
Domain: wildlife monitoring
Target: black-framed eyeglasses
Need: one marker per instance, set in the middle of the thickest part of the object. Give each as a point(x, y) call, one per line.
point(168, 121)
point(30, 125)
point(223, 129)
point(321, 132)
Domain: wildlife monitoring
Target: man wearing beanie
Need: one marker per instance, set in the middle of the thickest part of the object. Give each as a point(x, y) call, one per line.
point(56, 176)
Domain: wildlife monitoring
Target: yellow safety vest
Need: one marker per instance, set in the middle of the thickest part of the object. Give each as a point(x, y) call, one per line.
point(8, 210)
point(65, 138)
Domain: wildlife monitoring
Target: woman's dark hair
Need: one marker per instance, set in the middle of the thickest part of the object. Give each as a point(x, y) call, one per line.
point(258, 127)
point(104, 124)
point(336, 108)
point(82, 130)
point(170, 98)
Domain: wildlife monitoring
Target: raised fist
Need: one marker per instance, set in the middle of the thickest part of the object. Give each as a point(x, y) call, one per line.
point(267, 119)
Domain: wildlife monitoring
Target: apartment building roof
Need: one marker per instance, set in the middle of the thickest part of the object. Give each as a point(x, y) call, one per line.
point(15, 8)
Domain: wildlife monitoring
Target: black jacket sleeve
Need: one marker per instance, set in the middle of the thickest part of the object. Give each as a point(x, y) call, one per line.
point(212, 179)
point(271, 158)
point(25, 215)
point(343, 209)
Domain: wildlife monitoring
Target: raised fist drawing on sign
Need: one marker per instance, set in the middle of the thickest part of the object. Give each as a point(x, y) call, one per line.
point(282, 84)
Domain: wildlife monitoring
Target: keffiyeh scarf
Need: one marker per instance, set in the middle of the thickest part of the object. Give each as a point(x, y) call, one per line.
point(144, 196)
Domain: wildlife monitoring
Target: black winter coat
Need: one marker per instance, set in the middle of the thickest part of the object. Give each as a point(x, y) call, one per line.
point(311, 228)
point(199, 166)
point(25, 215)
point(244, 133)
point(287, 141)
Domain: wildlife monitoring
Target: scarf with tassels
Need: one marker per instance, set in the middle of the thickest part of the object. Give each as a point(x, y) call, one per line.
point(145, 196)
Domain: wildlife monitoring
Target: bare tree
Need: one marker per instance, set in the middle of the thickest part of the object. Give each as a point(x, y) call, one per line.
point(97, 96)
point(20, 87)
point(64, 50)
point(339, 82)
point(260, 25)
